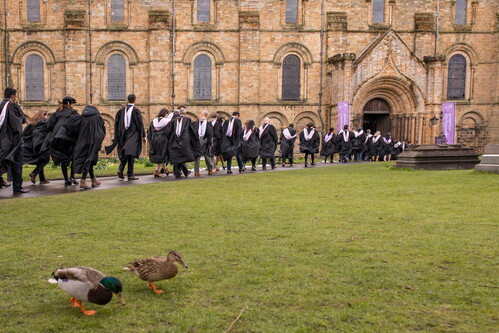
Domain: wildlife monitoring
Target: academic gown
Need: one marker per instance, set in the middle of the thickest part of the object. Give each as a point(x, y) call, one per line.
point(268, 141)
point(358, 142)
point(158, 143)
point(328, 148)
point(129, 141)
point(252, 147)
point(34, 136)
point(90, 137)
point(10, 134)
point(375, 146)
point(288, 146)
point(345, 146)
point(181, 148)
point(311, 146)
point(217, 138)
point(63, 126)
point(386, 146)
point(231, 144)
point(205, 143)
point(367, 145)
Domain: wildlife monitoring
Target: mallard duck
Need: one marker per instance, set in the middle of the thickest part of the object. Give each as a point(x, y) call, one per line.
point(156, 268)
point(87, 284)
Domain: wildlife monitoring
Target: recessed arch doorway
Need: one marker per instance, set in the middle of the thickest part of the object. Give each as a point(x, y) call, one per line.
point(376, 116)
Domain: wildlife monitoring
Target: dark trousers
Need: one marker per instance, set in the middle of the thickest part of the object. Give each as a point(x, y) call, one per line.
point(290, 159)
point(272, 162)
point(130, 160)
point(312, 157)
point(240, 163)
point(16, 169)
point(180, 168)
point(64, 169)
point(39, 170)
point(90, 172)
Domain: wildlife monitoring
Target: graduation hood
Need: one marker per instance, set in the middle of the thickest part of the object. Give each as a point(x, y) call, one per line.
point(89, 110)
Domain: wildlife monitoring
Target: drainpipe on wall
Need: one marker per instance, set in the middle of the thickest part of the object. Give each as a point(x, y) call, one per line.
point(173, 53)
point(319, 111)
point(6, 45)
point(90, 48)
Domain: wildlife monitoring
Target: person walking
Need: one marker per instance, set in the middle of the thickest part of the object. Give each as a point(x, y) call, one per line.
point(309, 143)
point(204, 131)
point(231, 142)
point(34, 135)
point(268, 143)
point(129, 135)
point(250, 145)
point(11, 142)
point(158, 141)
point(287, 140)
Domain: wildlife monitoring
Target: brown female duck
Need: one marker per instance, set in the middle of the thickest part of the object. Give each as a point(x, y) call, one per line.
point(157, 268)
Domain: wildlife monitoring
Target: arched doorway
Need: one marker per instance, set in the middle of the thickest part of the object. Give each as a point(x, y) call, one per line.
point(376, 114)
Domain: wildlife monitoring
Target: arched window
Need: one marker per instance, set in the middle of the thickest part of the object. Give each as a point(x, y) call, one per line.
point(378, 11)
point(291, 78)
point(203, 10)
point(116, 77)
point(456, 82)
point(117, 10)
point(460, 17)
point(35, 87)
point(33, 10)
point(291, 11)
point(202, 77)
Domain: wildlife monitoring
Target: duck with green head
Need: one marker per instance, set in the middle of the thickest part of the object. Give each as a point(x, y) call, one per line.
point(87, 284)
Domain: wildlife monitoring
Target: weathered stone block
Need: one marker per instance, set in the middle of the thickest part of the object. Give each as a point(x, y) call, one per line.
point(75, 18)
point(337, 21)
point(424, 22)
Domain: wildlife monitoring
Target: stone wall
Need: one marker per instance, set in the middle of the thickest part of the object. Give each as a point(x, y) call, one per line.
point(400, 60)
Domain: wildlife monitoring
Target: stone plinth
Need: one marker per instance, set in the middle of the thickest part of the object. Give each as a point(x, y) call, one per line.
point(490, 159)
point(438, 157)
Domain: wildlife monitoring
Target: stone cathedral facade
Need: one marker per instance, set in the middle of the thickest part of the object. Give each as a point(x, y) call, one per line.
point(394, 61)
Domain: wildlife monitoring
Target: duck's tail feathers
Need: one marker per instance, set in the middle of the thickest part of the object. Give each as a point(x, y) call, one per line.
point(126, 269)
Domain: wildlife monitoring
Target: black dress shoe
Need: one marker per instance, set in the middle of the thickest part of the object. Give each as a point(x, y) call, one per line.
point(4, 184)
point(67, 183)
point(229, 172)
point(253, 169)
point(21, 191)
point(73, 181)
point(120, 175)
point(132, 178)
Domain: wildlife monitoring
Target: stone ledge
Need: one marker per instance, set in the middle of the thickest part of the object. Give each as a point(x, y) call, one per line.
point(438, 157)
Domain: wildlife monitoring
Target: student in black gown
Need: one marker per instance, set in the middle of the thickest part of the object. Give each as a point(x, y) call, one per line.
point(34, 135)
point(358, 144)
point(376, 146)
point(309, 143)
point(158, 141)
point(63, 127)
point(268, 143)
point(11, 141)
point(386, 147)
point(345, 138)
point(367, 156)
point(203, 132)
point(287, 140)
point(129, 135)
point(182, 143)
point(217, 124)
point(90, 137)
point(250, 145)
point(397, 149)
point(231, 141)
point(328, 145)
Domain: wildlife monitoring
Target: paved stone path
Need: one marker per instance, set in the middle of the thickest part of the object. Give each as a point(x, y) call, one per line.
point(57, 186)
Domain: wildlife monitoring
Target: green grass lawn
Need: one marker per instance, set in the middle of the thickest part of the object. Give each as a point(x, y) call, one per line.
point(355, 248)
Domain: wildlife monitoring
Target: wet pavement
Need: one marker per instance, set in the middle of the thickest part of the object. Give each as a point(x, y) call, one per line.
point(57, 186)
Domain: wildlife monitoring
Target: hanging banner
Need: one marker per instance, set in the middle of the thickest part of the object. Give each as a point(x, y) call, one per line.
point(449, 122)
point(343, 115)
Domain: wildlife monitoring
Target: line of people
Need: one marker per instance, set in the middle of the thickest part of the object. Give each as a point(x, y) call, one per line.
point(74, 141)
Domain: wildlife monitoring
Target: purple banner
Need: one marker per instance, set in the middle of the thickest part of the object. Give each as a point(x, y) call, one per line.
point(343, 115)
point(449, 121)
